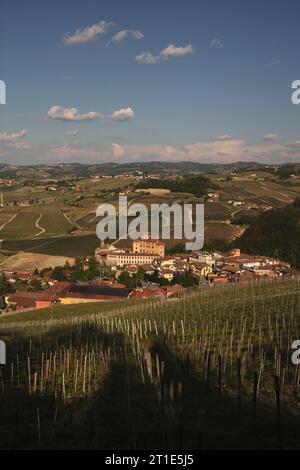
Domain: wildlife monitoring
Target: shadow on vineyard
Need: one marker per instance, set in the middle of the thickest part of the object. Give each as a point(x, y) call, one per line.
point(205, 372)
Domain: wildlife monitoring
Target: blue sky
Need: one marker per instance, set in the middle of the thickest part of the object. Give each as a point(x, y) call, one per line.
point(138, 80)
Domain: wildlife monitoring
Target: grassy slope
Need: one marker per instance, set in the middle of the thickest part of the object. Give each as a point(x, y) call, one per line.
point(66, 311)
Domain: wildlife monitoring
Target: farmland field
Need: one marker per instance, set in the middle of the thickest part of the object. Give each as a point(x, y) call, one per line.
point(75, 246)
point(23, 260)
point(22, 226)
point(271, 192)
point(54, 223)
point(221, 231)
point(37, 220)
point(210, 371)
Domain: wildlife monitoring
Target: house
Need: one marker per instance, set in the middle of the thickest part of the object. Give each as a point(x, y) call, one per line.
point(218, 279)
point(244, 278)
point(167, 261)
point(148, 269)
point(59, 288)
point(166, 274)
point(131, 269)
point(181, 267)
point(146, 293)
point(213, 197)
point(201, 269)
point(87, 293)
point(24, 275)
point(235, 252)
point(21, 300)
point(201, 257)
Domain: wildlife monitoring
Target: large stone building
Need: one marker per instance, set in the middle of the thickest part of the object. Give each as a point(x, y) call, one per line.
point(149, 247)
point(127, 259)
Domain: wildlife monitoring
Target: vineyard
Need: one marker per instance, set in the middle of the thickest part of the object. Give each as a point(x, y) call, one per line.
point(212, 370)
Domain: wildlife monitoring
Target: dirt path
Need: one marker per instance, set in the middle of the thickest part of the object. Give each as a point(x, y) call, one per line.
point(73, 223)
point(10, 220)
point(42, 230)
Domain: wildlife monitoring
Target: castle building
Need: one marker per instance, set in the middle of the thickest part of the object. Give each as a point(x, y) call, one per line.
point(147, 246)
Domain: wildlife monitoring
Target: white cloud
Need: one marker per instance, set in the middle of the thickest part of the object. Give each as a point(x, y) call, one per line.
point(122, 35)
point(7, 137)
point(172, 153)
point(224, 149)
point(122, 114)
point(170, 51)
point(271, 136)
point(136, 34)
point(14, 140)
point(117, 150)
point(72, 132)
point(146, 58)
point(71, 114)
point(174, 51)
point(216, 43)
point(88, 34)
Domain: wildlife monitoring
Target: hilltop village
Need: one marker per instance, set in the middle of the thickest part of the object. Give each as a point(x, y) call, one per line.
point(145, 271)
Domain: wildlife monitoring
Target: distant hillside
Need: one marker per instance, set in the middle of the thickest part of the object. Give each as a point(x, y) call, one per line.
point(275, 233)
point(196, 185)
point(112, 168)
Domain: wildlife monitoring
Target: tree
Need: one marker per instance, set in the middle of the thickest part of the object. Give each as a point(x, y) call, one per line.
point(93, 266)
point(274, 233)
point(67, 267)
point(58, 274)
point(2, 303)
point(44, 271)
point(78, 273)
point(36, 285)
point(163, 281)
point(140, 274)
point(125, 279)
point(5, 286)
point(152, 277)
point(186, 280)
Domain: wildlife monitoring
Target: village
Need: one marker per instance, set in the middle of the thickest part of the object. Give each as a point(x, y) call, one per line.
point(146, 271)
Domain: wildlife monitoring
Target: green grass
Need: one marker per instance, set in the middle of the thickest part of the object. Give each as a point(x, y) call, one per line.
point(5, 216)
point(66, 311)
point(54, 224)
point(23, 225)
